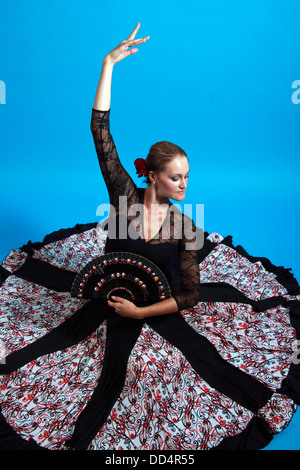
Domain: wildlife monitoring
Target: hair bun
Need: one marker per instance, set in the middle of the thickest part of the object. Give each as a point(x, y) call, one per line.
point(140, 165)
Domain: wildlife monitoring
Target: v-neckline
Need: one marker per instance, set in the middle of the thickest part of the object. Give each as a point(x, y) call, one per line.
point(142, 220)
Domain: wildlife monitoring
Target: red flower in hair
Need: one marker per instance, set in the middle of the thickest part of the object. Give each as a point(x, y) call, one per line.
point(140, 165)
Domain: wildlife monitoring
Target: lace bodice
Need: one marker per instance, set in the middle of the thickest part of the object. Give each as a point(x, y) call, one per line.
point(173, 248)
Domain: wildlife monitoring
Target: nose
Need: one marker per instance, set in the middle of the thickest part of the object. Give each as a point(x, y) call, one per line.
point(183, 184)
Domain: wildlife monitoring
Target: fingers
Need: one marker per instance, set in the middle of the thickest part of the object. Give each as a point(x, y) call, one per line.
point(117, 299)
point(131, 51)
point(132, 35)
point(117, 304)
point(134, 42)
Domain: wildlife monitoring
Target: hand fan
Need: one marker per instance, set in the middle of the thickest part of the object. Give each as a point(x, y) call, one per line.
point(122, 274)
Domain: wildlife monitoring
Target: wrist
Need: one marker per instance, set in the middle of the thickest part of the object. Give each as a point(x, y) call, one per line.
point(140, 313)
point(107, 62)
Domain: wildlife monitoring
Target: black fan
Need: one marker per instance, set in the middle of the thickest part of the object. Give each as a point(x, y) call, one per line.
point(122, 274)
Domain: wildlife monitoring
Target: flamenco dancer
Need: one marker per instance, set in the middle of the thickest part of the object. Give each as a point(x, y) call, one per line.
point(212, 366)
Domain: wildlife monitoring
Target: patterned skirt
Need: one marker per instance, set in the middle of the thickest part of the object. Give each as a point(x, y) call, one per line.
point(73, 375)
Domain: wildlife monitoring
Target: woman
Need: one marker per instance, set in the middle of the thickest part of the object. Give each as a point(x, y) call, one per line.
point(168, 181)
point(201, 369)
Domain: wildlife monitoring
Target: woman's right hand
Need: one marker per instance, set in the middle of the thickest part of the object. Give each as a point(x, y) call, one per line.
point(120, 52)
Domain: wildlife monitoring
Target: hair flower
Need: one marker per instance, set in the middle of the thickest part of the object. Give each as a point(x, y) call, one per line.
point(140, 165)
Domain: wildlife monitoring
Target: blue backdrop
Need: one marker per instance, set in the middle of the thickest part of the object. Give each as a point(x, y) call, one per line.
point(219, 78)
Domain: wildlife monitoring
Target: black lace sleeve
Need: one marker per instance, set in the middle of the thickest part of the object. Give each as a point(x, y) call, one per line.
point(117, 180)
point(189, 270)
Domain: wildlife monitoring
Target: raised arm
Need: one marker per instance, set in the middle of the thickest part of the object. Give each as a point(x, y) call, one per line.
point(117, 180)
point(103, 94)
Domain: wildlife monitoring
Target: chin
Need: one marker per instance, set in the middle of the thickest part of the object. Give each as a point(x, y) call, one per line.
point(178, 196)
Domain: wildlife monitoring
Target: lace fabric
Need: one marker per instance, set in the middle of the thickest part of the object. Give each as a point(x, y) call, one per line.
point(127, 199)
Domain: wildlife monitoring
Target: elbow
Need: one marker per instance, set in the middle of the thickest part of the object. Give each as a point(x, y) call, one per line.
point(187, 299)
point(92, 127)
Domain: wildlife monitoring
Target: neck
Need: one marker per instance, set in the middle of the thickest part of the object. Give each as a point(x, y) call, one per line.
point(152, 197)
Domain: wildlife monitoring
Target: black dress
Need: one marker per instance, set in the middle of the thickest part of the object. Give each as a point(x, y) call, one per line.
point(220, 373)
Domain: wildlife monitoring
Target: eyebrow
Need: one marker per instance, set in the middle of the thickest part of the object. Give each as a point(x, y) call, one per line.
point(179, 174)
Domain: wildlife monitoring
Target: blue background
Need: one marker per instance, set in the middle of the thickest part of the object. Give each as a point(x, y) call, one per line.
point(215, 77)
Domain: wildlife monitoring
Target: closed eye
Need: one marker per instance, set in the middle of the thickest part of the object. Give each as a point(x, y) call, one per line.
point(176, 178)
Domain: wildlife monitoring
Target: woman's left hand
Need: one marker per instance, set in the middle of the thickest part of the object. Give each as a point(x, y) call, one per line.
point(125, 308)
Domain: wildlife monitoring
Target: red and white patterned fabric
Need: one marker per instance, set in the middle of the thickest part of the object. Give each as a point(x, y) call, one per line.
point(164, 404)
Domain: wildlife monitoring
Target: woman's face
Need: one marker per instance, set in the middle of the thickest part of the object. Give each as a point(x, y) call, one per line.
point(172, 182)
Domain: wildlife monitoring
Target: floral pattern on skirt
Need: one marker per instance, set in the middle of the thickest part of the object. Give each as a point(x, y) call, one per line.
point(164, 404)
